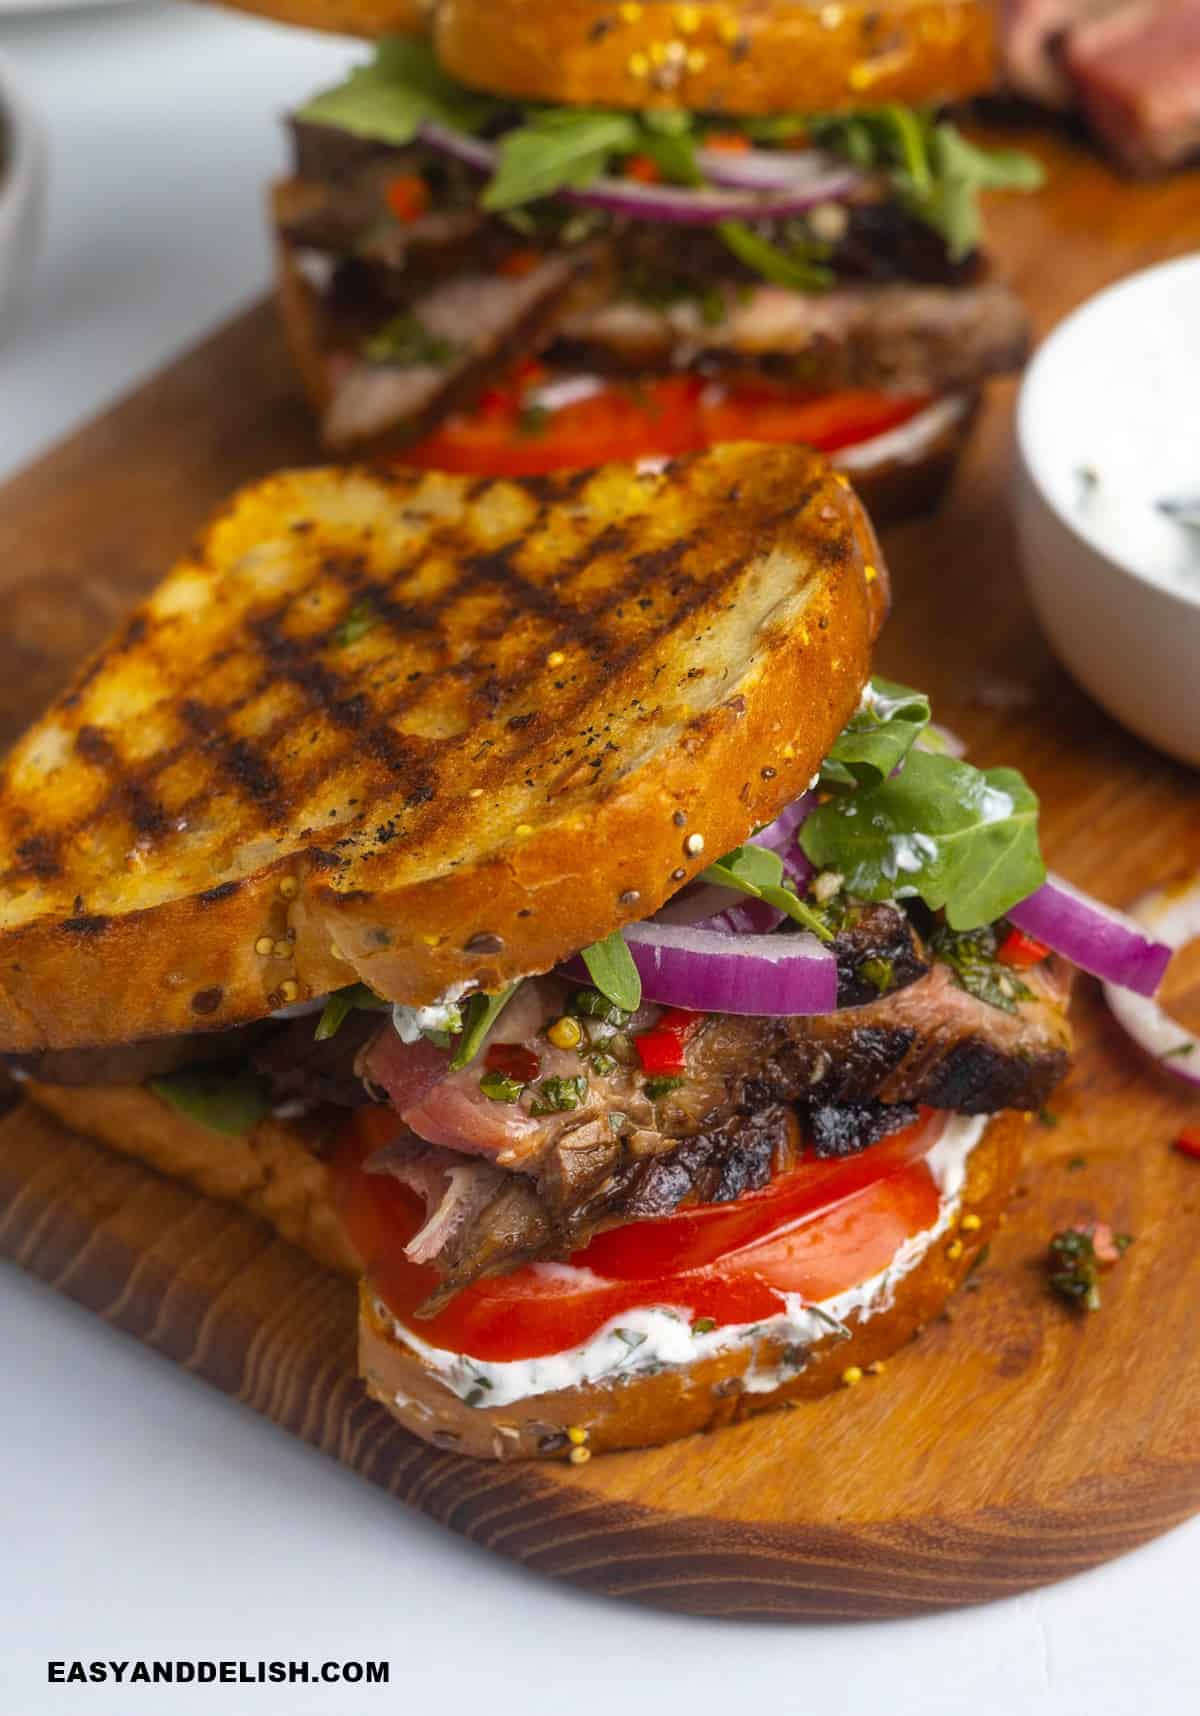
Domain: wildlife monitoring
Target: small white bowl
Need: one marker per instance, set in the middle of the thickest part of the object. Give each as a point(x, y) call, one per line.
point(1108, 424)
point(23, 172)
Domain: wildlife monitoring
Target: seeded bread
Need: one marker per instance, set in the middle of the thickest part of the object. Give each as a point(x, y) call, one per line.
point(722, 56)
point(425, 732)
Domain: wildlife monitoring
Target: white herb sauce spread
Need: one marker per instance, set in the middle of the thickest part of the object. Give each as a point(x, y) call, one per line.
point(646, 1340)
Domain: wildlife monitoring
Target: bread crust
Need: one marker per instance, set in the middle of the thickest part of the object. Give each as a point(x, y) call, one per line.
point(276, 1171)
point(275, 1174)
point(647, 1411)
point(721, 56)
point(891, 483)
point(367, 18)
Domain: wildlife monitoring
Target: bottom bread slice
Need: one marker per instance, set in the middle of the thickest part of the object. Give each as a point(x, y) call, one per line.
point(276, 1174)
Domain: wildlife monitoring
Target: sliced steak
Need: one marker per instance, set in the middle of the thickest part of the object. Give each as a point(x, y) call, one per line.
point(483, 321)
point(929, 1042)
point(1136, 72)
point(1032, 33)
point(910, 339)
point(481, 1221)
point(934, 1043)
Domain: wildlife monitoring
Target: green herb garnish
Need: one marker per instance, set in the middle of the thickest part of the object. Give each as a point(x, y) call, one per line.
point(1076, 1262)
point(341, 1004)
point(559, 1095)
point(795, 266)
point(498, 1087)
point(593, 1005)
point(479, 1015)
point(971, 956)
point(656, 1088)
point(611, 968)
point(704, 1325)
point(406, 342)
point(226, 1101)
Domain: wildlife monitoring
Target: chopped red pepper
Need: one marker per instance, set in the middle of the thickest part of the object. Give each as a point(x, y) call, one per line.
point(1021, 950)
point(661, 1049)
point(643, 168)
point(407, 196)
point(1188, 1142)
point(727, 142)
point(519, 263)
point(511, 1060)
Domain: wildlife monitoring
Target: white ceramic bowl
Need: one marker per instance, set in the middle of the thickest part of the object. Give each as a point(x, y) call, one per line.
point(22, 194)
point(1108, 423)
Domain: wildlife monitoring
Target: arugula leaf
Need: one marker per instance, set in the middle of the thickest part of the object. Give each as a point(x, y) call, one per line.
point(226, 1101)
point(341, 1004)
point(935, 171)
point(555, 148)
point(479, 1015)
point(757, 871)
point(878, 736)
point(793, 267)
point(389, 99)
point(611, 968)
point(959, 837)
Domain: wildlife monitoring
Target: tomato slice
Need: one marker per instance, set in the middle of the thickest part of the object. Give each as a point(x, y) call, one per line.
point(817, 1230)
point(657, 418)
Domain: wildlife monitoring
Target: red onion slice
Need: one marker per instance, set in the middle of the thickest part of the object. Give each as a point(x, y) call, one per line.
point(766, 169)
point(780, 835)
point(1174, 914)
point(1096, 938)
point(711, 971)
point(679, 204)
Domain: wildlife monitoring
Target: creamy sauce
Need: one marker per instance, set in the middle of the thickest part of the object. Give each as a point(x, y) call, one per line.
point(648, 1340)
point(410, 1023)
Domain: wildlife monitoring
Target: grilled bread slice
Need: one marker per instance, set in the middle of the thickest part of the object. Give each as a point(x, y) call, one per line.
point(425, 731)
point(721, 56)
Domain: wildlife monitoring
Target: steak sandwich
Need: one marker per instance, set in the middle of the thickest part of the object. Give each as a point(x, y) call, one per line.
point(548, 235)
point(519, 894)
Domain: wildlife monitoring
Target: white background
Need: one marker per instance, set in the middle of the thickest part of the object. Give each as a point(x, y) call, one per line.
point(142, 1514)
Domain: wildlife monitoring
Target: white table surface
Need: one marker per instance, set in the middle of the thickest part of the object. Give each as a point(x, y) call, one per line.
point(143, 1515)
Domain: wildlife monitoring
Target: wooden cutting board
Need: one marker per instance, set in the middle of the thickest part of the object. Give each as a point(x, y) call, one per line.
point(1014, 1442)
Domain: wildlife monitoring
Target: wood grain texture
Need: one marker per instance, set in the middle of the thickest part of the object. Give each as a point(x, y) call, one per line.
point(1014, 1442)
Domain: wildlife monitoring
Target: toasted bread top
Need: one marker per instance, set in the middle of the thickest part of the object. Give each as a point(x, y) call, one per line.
point(725, 56)
point(424, 731)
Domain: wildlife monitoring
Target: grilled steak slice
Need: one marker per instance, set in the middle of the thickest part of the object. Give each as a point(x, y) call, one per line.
point(929, 1042)
point(845, 1131)
point(472, 325)
point(877, 952)
point(911, 339)
point(481, 1221)
point(934, 1043)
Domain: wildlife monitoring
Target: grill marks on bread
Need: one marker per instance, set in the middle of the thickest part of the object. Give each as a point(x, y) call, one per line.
point(377, 679)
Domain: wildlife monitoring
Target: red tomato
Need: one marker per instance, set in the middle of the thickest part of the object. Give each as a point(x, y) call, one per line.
point(407, 196)
point(659, 418)
point(817, 1230)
